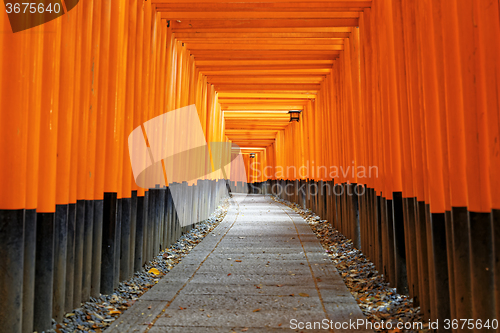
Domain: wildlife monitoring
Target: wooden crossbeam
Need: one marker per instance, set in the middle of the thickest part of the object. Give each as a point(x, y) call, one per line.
point(268, 33)
point(288, 6)
point(339, 3)
point(246, 15)
point(195, 25)
point(262, 41)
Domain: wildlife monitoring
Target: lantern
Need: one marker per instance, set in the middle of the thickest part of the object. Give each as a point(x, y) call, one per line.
point(294, 115)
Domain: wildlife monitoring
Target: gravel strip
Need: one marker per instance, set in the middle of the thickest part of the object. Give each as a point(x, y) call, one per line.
point(99, 313)
point(376, 299)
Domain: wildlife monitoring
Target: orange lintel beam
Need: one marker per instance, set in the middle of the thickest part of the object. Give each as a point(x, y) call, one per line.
point(265, 95)
point(257, 62)
point(264, 80)
point(284, 87)
point(263, 41)
point(266, 30)
point(260, 6)
point(262, 107)
point(259, 101)
point(270, 33)
point(270, 55)
point(261, 47)
point(194, 25)
point(264, 71)
point(263, 54)
point(340, 3)
point(244, 15)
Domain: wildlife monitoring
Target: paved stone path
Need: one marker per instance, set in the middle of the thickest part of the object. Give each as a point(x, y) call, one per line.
point(258, 271)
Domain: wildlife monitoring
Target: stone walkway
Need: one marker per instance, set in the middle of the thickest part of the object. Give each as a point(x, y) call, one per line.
point(261, 270)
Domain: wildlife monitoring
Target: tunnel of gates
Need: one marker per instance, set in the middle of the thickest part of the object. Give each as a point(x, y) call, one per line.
point(397, 143)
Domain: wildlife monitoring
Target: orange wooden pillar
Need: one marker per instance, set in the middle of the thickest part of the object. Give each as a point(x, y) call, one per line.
point(489, 56)
point(67, 96)
point(414, 100)
point(487, 65)
point(88, 225)
point(404, 107)
point(105, 113)
point(47, 176)
point(129, 189)
point(479, 103)
point(401, 162)
point(387, 105)
point(114, 104)
point(458, 245)
point(33, 109)
point(14, 125)
point(139, 118)
point(429, 34)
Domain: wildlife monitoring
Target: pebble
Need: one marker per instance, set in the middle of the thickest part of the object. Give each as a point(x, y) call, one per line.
point(376, 299)
point(99, 313)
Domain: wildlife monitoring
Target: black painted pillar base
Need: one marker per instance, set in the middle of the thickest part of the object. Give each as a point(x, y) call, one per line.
point(87, 250)
point(451, 263)
point(482, 263)
point(145, 233)
point(11, 263)
point(60, 252)
point(411, 255)
point(357, 228)
point(70, 259)
point(116, 261)
point(150, 223)
point(496, 244)
point(125, 238)
point(439, 267)
point(422, 257)
point(133, 225)
point(95, 279)
point(139, 234)
point(379, 234)
point(44, 271)
point(461, 262)
point(108, 242)
point(78, 268)
point(29, 269)
point(401, 279)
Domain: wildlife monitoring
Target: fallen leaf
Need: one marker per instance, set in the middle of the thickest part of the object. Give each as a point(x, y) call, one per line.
point(114, 312)
point(154, 271)
point(303, 294)
point(256, 310)
point(229, 274)
point(245, 329)
point(149, 307)
point(237, 260)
